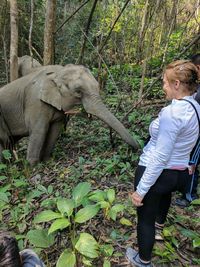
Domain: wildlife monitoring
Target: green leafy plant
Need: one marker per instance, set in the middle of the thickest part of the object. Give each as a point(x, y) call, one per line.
point(69, 215)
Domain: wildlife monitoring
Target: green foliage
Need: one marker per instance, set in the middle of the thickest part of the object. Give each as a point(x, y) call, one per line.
point(40, 238)
point(83, 206)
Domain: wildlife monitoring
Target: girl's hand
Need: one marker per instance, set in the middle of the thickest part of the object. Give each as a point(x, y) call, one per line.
point(136, 199)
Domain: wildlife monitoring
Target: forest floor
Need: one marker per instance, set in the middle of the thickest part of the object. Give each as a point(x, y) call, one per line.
point(84, 154)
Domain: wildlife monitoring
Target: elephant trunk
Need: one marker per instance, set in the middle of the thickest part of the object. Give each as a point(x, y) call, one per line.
point(97, 108)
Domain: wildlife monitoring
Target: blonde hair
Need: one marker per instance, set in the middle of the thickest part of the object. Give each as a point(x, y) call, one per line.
point(184, 71)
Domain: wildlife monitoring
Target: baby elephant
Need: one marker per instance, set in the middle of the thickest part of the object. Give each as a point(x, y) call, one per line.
point(35, 106)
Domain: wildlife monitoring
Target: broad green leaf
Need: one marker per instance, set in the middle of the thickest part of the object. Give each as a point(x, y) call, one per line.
point(59, 224)
point(40, 238)
point(111, 195)
point(66, 206)
point(3, 166)
point(80, 191)
point(189, 233)
point(107, 250)
point(33, 194)
point(87, 246)
point(196, 242)
point(106, 263)
point(66, 259)
point(46, 216)
point(118, 207)
point(42, 188)
point(4, 197)
point(3, 177)
point(4, 189)
point(125, 221)
point(86, 213)
point(196, 202)
point(114, 210)
point(50, 189)
point(97, 196)
point(85, 202)
point(6, 154)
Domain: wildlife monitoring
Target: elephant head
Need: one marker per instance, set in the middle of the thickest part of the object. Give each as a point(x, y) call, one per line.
point(74, 84)
point(26, 64)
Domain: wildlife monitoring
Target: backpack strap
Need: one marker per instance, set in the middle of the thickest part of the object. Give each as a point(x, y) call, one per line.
point(194, 156)
point(195, 111)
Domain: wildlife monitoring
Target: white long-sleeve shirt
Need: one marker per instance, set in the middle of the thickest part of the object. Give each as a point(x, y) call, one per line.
point(173, 135)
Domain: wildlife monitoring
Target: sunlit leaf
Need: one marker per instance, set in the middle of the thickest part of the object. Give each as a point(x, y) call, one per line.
point(80, 191)
point(59, 224)
point(107, 250)
point(104, 204)
point(125, 221)
point(46, 216)
point(66, 259)
point(87, 262)
point(40, 238)
point(97, 196)
point(65, 206)
point(111, 195)
point(86, 213)
point(196, 202)
point(114, 210)
point(106, 263)
point(87, 246)
point(169, 231)
point(196, 242)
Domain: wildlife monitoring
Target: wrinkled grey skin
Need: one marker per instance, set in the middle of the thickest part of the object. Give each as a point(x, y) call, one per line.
point(34, 106)
point(26, 65)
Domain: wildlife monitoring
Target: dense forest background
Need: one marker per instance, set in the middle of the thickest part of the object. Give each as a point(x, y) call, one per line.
point(126, 45)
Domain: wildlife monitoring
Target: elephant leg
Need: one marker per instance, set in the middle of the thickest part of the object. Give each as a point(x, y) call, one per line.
point(36, 141)
point(51, 139)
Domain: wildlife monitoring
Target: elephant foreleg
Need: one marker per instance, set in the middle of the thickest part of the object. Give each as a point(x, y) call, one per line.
point(36, 141)
point(51, 139)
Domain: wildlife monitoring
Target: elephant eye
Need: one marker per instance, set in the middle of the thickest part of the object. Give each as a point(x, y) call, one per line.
point(78, 92)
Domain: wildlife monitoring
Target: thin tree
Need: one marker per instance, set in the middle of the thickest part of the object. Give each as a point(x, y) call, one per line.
point(87, 31)
point(50, 19)
point(13, 40)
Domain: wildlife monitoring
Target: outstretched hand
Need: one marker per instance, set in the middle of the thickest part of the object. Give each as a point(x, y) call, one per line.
point(136, 199)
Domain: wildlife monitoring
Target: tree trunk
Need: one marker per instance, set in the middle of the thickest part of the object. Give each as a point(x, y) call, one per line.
point(13, 40)
point(49, 32)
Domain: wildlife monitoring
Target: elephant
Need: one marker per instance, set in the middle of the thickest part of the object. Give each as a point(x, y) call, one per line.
point(27, 64)
point(35, 106)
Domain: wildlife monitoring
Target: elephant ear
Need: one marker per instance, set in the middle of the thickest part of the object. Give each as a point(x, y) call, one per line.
point(50, 93)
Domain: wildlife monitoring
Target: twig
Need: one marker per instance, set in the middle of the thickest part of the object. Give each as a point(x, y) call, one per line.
point(37, 53)
point(70, 16)
point(108, 36)
point(86, 31)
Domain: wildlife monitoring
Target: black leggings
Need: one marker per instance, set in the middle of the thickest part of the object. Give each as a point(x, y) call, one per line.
point(156, 204)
